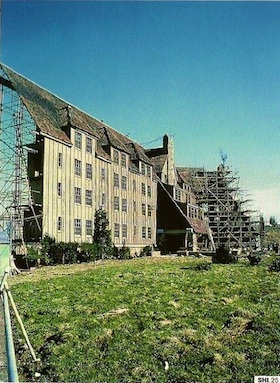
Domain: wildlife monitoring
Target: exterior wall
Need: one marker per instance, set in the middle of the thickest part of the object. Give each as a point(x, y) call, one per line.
point(135, 193)
point(128, 201)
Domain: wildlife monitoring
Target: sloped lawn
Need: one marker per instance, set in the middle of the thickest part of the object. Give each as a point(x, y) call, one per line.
point(149, 320)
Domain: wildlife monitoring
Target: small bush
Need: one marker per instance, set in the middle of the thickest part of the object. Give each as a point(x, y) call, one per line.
point(275, 265)
point(202, 266)
point(224, 256)
point(124, 253)
point(46, 250)
point(33, 256)
point(121, 253)
point(254, 259)
point(89, 252)
point(146, 251)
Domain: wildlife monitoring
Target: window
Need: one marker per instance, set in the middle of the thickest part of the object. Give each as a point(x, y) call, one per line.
point(148, 171)
point(124, 231)
point(59, 223)
point(149, 210)
point(116, 156)
point(143, 209)
point(78, 195)
point(103, 174)
point(134, 205)
point(116, 203)
point(60, 160)
point(78, 140)
point(117, 230)
point(88, 227)
point(149, 232)
point(59, 189)
point(149, 191)
point(124, 205)
point(143, 189)
point(177, 195)
point(143, 169)
point(116, 180)
point(123, 160)
point(134, 185)
point(77, 226)
point(89, 197)
point(89, 145)
point(89, 171)
point(134, 231)
point(103, 199)
point(143, 232)
point(124, 182)
point(78, 167)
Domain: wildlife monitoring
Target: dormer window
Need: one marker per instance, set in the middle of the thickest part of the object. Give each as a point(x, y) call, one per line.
point(123, 160)
point(78, 140)
point(89, 145)
point(116, 156)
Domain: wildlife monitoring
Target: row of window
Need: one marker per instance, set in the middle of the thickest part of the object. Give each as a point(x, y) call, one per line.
point(78, 142)
point(145, 209)
point(146, 231)
point(117, 156)
point(77, 226)
point(88, 200)
point(78, 195)
point(145, 189)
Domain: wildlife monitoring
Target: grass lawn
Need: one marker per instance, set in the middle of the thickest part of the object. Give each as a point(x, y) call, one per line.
point(149, 320)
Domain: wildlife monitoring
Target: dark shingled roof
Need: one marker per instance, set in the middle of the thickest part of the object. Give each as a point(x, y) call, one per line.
point(159, 162)
point(197, 225)
point(188, 177)
point(50, 114)
point(47, 110)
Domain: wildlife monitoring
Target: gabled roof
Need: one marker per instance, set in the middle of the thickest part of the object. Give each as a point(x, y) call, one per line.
point(51, 114)
point(197, 225)
point(137, 152)
point(159, 162)
point(48, 111)
point(187, 176)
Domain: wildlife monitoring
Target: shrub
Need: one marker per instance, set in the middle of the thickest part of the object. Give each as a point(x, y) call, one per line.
point(275, 265)
point(124, 253)
point(224, 255)
point(254, 259)
point(89, 252)
point(202, 266)
point(46, 249)
point(33, 256)
point(146, 251)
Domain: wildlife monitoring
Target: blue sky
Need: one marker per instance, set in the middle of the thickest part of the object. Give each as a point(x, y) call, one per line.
point(207, 73)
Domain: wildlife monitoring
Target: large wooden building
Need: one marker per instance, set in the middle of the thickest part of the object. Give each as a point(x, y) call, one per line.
point(61, 165)
point(77, 164)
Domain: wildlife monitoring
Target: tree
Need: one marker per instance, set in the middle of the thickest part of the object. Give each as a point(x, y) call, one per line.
point(102, 235)
point(273, 223)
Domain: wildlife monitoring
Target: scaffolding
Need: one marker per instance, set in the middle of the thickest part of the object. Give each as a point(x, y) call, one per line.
point(225, 208)
point(17, 134)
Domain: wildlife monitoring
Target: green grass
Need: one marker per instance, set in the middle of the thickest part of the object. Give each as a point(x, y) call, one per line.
point(121, 321)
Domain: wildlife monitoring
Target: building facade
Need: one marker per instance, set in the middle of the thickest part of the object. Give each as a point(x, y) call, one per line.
point(77, 164)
